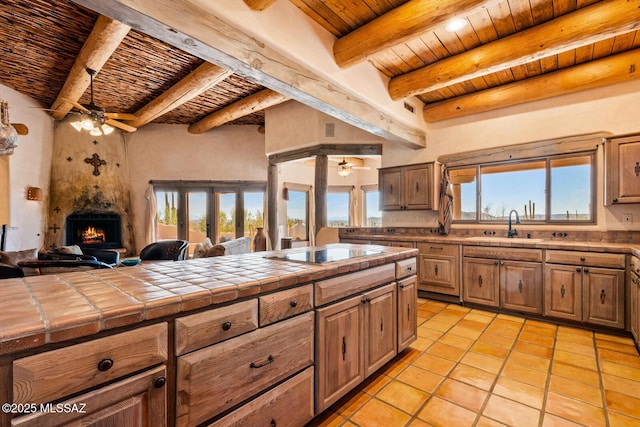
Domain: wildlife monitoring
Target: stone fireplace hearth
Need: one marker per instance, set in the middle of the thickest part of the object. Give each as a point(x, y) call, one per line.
point(90, 201)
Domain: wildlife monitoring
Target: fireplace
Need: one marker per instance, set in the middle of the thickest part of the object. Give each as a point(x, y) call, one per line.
point(94, 230)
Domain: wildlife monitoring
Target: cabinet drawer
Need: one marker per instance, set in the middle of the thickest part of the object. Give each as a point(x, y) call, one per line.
point(284, 304)
point(406, 267)
point(516, 254)
point(49, 376)
point(289, 404)
point(339, 287)
point(585, 258)
point(218, 377)
point(209, 327)
point(438, 249)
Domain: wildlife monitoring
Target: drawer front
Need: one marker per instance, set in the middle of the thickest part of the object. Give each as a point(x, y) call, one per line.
point(289, 404)
point(284, 304)
point(585, 258)
point(406, 267)
point(49, 376)
point(216, 378)
point(516, 254)
point(330, 290)
point(209, 327)
point(438, 249)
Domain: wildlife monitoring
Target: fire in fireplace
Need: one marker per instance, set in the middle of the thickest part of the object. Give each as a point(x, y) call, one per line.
point(94, 230)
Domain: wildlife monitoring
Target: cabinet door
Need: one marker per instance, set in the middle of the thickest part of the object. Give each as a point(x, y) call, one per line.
point(339, 353)
point(634, 318)
point(481, 281)
point(563, 292)
point(390, 183)
point(622, 170)
point(380, 327)
point(438, 268)
point(138, 401)
point(604, 296)
point(521, 286)
point(407, 318)
point(417, 187)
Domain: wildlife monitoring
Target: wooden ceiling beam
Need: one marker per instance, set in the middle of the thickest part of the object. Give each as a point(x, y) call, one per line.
point(398, 25)
point(259, 4)
point(612, 69)
point(585, 26)
point(105, 37)
point(201, 79)
point(251, 104)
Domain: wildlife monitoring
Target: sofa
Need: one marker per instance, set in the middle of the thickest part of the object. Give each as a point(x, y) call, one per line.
point(241, 245)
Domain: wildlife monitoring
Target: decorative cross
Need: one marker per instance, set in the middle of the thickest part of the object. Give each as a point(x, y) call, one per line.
point(57, 209)
point(96, 162)
point(55, 228)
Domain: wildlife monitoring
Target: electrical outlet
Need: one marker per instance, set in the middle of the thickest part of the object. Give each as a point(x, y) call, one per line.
point(627, 219)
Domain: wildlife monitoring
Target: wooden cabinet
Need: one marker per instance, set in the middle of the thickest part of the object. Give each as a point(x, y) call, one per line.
point(634, 295)
point(622, 170)
point(137, 401)
point(500, 277)
point(438, 268)
point(407, 312)
point(406, 187)
point(355, 338)
point(585, 287)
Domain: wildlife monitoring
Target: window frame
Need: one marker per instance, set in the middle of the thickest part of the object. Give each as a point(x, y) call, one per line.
point(591, 153)
point(301, 188)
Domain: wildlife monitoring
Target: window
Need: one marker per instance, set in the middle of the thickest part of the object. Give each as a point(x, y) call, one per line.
point(371, 208)
point(338, 206)
point(219, 210)
point(550, 189)
point(298, 211)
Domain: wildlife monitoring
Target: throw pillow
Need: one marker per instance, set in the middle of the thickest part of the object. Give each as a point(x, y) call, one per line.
point(71, 250)
point(13, 258)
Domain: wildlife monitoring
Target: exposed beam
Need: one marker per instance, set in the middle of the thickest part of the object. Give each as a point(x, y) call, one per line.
point(193, 26)
point(251, 104)
point(398, 25)
point(106, 36)
point(585, 26)
point(197, 82)
point(259, 4)
point(327, 150)
point(612, 69)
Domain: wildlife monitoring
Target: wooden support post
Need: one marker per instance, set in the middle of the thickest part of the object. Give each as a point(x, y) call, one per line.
point(272, 205)
point(320, 193)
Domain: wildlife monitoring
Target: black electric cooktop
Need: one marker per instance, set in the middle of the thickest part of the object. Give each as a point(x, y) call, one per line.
point(321, 256)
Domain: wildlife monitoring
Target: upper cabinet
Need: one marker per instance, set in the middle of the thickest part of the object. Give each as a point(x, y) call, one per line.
point(622, 170)
point(406, 187)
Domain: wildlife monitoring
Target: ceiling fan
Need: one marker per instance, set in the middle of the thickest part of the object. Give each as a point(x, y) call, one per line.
point(346, 167)
point(95, 119)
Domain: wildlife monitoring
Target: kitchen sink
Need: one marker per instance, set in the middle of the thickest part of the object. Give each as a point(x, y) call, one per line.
point(503, 239)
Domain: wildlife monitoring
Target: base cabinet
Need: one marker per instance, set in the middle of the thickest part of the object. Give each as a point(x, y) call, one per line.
point(407, 312)
point(438, 268)
point(355, 338)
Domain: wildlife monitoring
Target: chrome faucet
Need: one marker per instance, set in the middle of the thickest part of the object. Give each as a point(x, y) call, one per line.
point(513, 232)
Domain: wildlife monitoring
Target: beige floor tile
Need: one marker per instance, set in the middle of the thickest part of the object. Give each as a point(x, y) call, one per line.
point(587, 376)
point(497, 340)
point(504, 327)
point(403, 396)
point(576, 348)
point(376, 413)
point(440, 412)
point(434, 364)
point(462, 394)
point(520, 392)
point(473, 376)
point(576, 390)
point(537, 339)
point(511, 413)
point(524, 374)
point(479, 316)
point(623, 404)
point(572, 409)
point(574, 335)
point(471, 324)
point(421, 344)
point(621, 385)
point(481, 361)
point(425, 332)
point(550, 420)
point(445, 351)
point(462, 331)
point(450, 338)
point(575, 359)
point(540, 328)
point(490, 350)
point(420, 378)
point(529, 360)
point(437, 325)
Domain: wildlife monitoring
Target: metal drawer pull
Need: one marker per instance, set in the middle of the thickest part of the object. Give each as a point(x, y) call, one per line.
point(562, 291)
point(637, 168)
point(381, 326)
point(160, 382)
point(408, 312)
point(293, 303)
point(418, 185)
point(603, 296)
point(105, 364)
point(269, 361)
point(480, 280)
point(410, 268)
point(344, 348)
point(436, 269)
point(520, 286)
point(226, 326)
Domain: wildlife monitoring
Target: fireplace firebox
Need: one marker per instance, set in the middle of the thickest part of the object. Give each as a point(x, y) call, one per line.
point(94, 230)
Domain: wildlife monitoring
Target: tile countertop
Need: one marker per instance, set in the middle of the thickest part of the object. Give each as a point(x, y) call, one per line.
point(45, 309)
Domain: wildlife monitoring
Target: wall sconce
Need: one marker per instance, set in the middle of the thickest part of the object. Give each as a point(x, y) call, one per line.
point(35, 193)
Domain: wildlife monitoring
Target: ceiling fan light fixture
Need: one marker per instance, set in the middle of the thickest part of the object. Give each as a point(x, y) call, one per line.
point(87, 123)
point(456, 24)
point(106, 129)
point(96, 131)
point(344, 168)
point(77, 125)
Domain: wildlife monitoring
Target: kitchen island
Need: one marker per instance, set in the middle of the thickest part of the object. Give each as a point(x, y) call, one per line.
point(223, 339)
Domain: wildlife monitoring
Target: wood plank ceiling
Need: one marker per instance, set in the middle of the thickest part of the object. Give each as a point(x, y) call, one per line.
point(510, 51)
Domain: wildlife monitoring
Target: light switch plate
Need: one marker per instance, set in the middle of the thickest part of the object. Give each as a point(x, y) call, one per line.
point(627, 219)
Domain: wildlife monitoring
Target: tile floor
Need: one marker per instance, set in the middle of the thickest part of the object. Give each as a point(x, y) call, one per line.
point(471, 367)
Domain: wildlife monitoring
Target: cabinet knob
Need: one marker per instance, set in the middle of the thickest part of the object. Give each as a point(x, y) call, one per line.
point(583, 259)
point(105, 364)
point(160, 382)
point(273, 423)
point(293, 303)
point(563, 290)
point(226, 326)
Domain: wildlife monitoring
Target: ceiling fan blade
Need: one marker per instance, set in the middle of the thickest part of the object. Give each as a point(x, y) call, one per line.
point(121, 116)
point(120, 125)
point(22, 129)
point(77, 105)
point(365, 168)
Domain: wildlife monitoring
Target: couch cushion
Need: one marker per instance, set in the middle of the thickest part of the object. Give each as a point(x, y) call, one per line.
point(13, 258)
point(72, 250)
point(241, 245)
point(201, 249)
